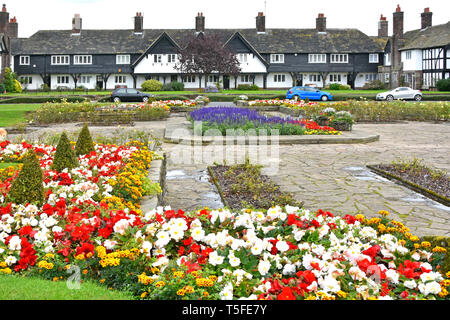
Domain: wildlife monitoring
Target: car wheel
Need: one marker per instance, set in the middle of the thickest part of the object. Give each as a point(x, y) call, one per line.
point(390, 98)
point(418, 97)
point(145, 99)
point(116, 99)
point(324, 98)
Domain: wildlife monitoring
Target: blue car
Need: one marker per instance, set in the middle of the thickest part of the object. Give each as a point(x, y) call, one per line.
point(301, 93)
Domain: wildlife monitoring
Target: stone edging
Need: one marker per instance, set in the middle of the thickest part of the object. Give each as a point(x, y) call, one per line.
point(156, 173)
point(410, 185)
point(185, 135)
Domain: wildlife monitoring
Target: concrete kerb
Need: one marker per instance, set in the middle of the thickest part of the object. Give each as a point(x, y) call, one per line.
point(156, 173)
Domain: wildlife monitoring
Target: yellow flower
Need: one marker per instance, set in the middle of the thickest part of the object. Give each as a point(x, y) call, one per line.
point(342, 294)
point(3, 264)
point(414, 238)
point(160, 284)
point(181, 292)
point(144, 294)
point(425, 244)
point(447, 274)
point(6, 271)
point(439, 249)
point(383, 213)
point(416, 245)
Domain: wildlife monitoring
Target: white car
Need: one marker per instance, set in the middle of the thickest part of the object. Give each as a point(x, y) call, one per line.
point(402, 93)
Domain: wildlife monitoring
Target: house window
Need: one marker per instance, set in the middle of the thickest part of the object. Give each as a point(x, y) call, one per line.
point(85, 79)
point(408, 55)
point(60, 60)
point(387, 59)
point(121, 79)
point(123, 59)
point(242, 58)
point(82, 59)
point(24, 60)
point(279, 78)
point(245, 78)
point(277, 58)
point(339, 58)
point(62, 79)
point(387, 77)
point(26, 79)
point(213, 79)
point(373, 58)
point(171, 58)
point(335, 78)
point(371, 77)
point(315, 78)
point(317, 58)
point(157, 58)
point(190, 79)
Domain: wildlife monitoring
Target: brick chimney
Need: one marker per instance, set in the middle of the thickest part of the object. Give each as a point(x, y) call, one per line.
point(261, 23)
point(13, 28)
point(383, 27)
point(321, 23)
point(138, 23)
point(427, 18)
point(76, 24)
point(200, 22)
point(4, 19)
point(398, 22)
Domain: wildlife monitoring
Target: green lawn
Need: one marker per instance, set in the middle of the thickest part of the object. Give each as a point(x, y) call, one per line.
point(11, 114)
point(7, 164)
point(21, 288)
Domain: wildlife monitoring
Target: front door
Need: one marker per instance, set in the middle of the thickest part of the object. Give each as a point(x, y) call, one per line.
point(226, 82)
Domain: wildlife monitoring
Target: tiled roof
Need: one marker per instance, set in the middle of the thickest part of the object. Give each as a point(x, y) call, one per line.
point(436, 36)
point(125, 41)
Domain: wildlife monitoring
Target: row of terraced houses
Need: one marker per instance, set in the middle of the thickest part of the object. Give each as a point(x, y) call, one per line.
point(269, 58)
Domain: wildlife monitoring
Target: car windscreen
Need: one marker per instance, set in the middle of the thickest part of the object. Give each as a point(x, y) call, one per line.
point(132, 91)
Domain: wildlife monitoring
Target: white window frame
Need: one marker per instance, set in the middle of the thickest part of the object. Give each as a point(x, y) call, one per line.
point(242, 57)
point(29, 78)
point(335, 77)
point(279, 78)
point(157, 58)
point(123, 59)
point(317, 58)
point(213, 78)
point(408, 55)
point(374, 58)
point(339, 58)
point(60, 78)
point(314, 77)
point(81, 59)
point(120, 79)
point(387, 77)
point(60, 60)
point(245, 78)
point(371, 77)
point(24, 60)
point(189, 79)
point(277, 58)
point(85, 79)
point(171, 58)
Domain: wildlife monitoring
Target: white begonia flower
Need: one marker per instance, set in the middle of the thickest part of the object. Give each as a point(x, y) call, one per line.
point(430, 288)
point(121, 226)
point(163, 239)
point(234, 261)
point(289, 269)
point(109, 244)
point(227, 292)
point(430, 276)
point(329, 284)
point(10, 260)
point(410, 284)
point(257, 248)
point(198, 234)
point(215, 259)
point(298, 235)
point(264, 267)
point(392, 275)
point(282, 246)
point(15, 243)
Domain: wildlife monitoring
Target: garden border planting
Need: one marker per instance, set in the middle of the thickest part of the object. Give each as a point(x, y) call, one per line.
point(411, 185)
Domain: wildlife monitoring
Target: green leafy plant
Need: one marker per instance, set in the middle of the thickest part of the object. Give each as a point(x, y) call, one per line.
point(84, 144)
point(65, 157)
point(28, 186)
point(152, 85)
point(443, 84)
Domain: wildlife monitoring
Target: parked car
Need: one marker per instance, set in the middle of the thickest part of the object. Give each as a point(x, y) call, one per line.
point(129, 95)
point(402, 93)
point(308, 92)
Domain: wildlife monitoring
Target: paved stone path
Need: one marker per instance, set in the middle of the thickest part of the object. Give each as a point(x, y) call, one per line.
point(331, 177)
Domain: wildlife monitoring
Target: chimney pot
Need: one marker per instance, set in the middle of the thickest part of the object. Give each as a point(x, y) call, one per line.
point(138, 23)
point(200, 22)
point(76, 24)
point(4, 8)
point(261, 23)
point(398, 23)
point(383, 27)
point(427, 10)
point(321, 23)
point(427, 18)
point(398, 8)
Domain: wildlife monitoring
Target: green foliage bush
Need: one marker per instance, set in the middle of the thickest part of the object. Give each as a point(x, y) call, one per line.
point(443, 84)
point(443, 242)
point(84, 144)
point(45, 87)
point(65, 157)
point(338, 86)
point(247, 87)
point(28, 186)
point(167, 87)
point(10, 83)
point(177, 86)
point(2, 88)
point(374, 85)
point(152, 85)
point(63, 112)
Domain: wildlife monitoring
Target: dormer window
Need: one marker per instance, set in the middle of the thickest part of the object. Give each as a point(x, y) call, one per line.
point(242, 57)
point(60, 60)
point(339, 58)
point(373, 58)
point(123, 59)
point(277, 58)
point(24, 60)
point(157, 58)
point(82, 59)
point(171, 58)
point(317, 58)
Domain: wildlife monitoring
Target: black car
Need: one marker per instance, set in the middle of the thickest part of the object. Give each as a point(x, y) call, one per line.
point(129, 95)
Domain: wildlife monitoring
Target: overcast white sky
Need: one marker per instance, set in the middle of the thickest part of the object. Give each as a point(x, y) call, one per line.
point(34, 15)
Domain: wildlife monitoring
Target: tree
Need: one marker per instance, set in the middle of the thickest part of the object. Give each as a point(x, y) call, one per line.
point(64, 155)
point(205, 55)
point(28, 186)
point(11, 84)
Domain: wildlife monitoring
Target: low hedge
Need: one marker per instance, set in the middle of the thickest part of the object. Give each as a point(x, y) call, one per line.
point(370, 111)
point(17, 100)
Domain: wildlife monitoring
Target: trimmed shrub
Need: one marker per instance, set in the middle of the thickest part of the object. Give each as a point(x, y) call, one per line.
point(65, 157)
point(2, 88)
point(152, 85)
point(247, 87)
point(177, 86)
point(167, 87)
point(338, 86)
point(10, 81)
point(28, 186)
point(443, 84)
point(84, 144)
point(45, 87)
point(374, 85)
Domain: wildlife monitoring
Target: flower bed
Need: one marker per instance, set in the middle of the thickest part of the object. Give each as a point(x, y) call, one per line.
point(294, 104)
point(225, 118)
